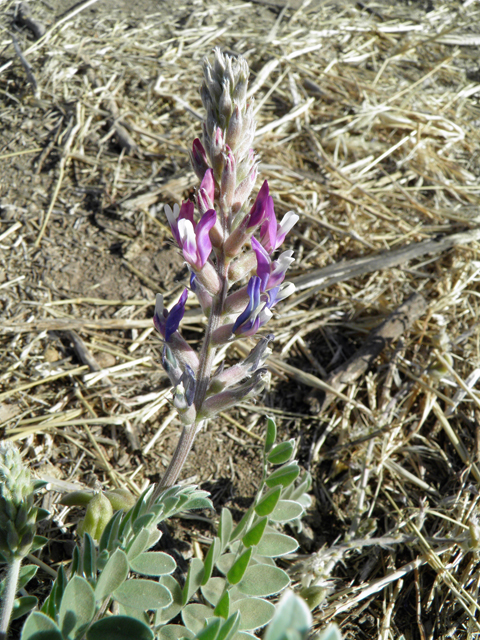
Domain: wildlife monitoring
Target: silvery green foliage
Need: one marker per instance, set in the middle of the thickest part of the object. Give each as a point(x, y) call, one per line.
point(222, 597)
point(18, 516)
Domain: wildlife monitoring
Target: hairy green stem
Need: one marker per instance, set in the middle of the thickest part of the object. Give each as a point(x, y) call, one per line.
point(9, 595)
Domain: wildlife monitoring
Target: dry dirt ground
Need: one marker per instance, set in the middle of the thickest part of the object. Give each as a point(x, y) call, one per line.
point(368, 128)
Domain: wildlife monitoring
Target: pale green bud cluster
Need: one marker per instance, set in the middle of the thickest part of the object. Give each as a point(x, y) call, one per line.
point(17, 513)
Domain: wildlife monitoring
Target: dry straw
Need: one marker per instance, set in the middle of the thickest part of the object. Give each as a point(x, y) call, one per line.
point(368, 128)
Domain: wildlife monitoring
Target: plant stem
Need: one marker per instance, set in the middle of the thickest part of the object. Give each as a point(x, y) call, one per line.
point(9, 595)
point(206, 359)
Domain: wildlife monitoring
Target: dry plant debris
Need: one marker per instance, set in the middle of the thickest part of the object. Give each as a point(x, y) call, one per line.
point(370, 131)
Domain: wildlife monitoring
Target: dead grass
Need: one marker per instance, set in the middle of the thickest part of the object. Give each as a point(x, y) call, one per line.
point(368, 127)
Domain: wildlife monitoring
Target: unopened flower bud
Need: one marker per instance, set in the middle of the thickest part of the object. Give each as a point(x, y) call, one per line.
point(235, 128)
point(229, 181)
point(199, 159)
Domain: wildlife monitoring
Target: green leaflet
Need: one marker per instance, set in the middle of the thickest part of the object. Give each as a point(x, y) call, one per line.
point(168, 613)
point(143, 595)
point(253, 537)
point(268, 502)
point(255, 613)
point(194, 579)
point(39, 626)
point(286, 511)
point(225, 527)
point(271, 434)
point(114, 573)
point(211, 559)
point(175, 632)
point(153, 563)
point(223, 607)
point(194, 616)
point(263, 580)
point(23, 605)
point(283, 476)
point(119, 628)
point(77, 608)
point(213, 590)
point(292, 619)
point(274, 545)
point(239, 567)
point(282, 452)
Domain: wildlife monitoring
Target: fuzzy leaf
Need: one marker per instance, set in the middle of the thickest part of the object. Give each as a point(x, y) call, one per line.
point(268, 502)
point(274, 545)
point(229, 628)
point(194, 616)
point(110, 532)
point(292, 619)
point(213, 590)
point(283, 476)
point(113, 575)
point(194, 579)
point(239, 567)
point(225, 527)
point(138, 544)
point(168, 613)
point(143, 595)
point(77, 608)
point(282, 452)
point(39, 626)
point(254, 612)
point(211, 559)
point(225, 562)
point(253, 537)
point(175, 632)
point(89, 557)
point(210, 632)
point(332, 632)
point(27, 572)
point(119, 628)
point(286, 511)
point(23, 605)
point(262, 580)
point(153, 563)
point(271, 434)
point(223, 607)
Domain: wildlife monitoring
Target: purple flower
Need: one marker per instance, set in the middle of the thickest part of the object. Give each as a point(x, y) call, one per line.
point(167, 322)
point(256, 313)
point(199, 158)
point(261, 207)
point(185, 212)
point(273, 234)
point(194, 239)
point(206, 192)
point(271, 273)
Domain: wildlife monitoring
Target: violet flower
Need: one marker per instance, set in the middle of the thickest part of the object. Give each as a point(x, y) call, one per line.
point(232, 272)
